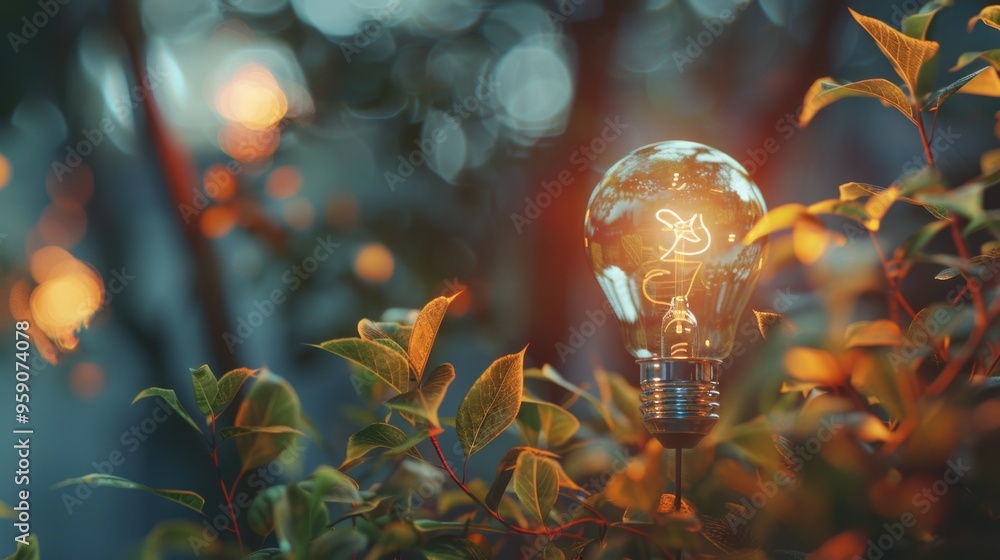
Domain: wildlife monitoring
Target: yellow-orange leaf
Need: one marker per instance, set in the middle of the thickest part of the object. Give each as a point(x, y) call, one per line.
point(878, 205)
point(990, 162)
point(990, 16)
point(844, 545)
point(811, 239)
point(808, 368)
point(875, 333)
point(986, 83)
point(825, 91)
point(992, 56)
point(872, 429)
point(782, 217)
point(907, 55)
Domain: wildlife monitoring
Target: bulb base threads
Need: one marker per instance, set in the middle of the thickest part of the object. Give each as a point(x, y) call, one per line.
point(679, 400)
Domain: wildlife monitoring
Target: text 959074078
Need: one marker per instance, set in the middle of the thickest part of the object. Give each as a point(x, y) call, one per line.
point(22, 433)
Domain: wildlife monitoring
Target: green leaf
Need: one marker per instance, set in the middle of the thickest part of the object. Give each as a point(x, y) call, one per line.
point(453, 498)
point(551, 552)
point(176, 537)
point(450, 547)
point(907, 55)
point(990, 15)
point(30, 552)
point(992, 56)
point(947, 274)
point(425, 330)
point(826, 91)
point(916, 25)
point(491, 405)
point(879, 202)
point(575, 550)
point(260, 516)
point(370, 437)
point(545, 424)
point(377, 358)
point(939, 319)
point(966, 200)
point(395, 347)
point(505, 470)
point(345, 543)
point(182, 497)
point(424, 401)
point(206, 389)
point(229, 385)
point(266, 554)
point(169, 397)
point(938, 97)
point(367, 506)
point(237, 431)
point(327, 484)
point(297, 520)
point(622, 401)
point(919, 240)
point(873, 375)
point(924, 179)
point(536, 483)
point(397, 536)
point(6, 512)
point(548, 373)
point(271, 402)
point(371, 330)
point(409, 445)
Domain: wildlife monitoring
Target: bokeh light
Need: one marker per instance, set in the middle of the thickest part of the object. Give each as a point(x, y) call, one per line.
point(374, 263)
point(535, 88)
point(219, 183)
point(252, 98)
point(217, 221)
point(299, 213)
point(5, 171)
point(343, 211)
point(67, 296)
point(248, 145)
point(284, 182)
point(87, 380)
point(63, 222)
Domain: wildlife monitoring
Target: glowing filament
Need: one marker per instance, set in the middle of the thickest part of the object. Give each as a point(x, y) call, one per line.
point(684, 230)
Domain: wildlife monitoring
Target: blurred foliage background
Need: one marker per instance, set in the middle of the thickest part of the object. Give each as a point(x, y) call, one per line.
point(168, 166)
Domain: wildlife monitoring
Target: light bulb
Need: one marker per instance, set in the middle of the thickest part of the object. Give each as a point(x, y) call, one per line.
point(664, 232)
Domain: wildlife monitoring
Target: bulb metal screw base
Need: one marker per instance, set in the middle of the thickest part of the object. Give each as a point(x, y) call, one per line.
point(679, 400)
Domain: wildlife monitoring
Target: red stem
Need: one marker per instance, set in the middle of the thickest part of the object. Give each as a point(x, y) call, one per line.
point(557, 531)
point(923, 137)
point(898, 297)
point(222, 484)
point(968, 352)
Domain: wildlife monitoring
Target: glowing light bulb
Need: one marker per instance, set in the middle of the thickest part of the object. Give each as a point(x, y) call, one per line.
point(664, 232)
